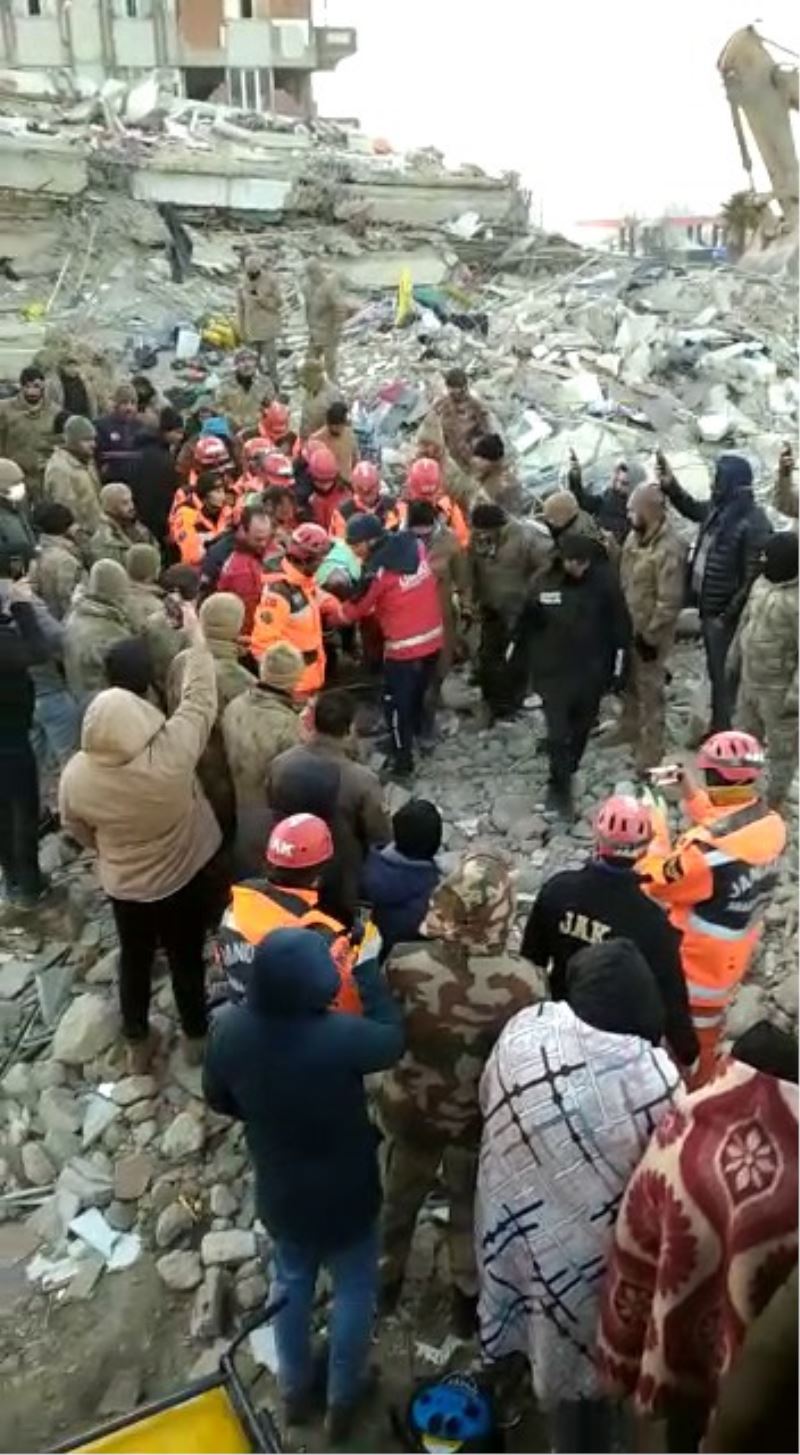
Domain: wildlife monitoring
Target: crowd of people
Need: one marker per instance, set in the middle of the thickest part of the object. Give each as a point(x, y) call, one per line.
point(192, 612)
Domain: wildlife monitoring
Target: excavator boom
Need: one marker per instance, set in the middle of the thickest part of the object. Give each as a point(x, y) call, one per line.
point(764, 93)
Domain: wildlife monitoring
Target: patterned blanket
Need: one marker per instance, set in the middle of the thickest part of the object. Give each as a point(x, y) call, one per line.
point(706, 1234)
point(568, 1111)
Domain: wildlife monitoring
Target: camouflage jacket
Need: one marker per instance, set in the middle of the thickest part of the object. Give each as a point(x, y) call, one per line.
point(258, 303)
point(326, 309)
point(90, 630)
point(463, 422)
point(26, 436)
point(653, 578)
point(455, 1005)
point(212, 769)
point(112, 540)
point(243, 406)
point(258, 725)
point(55, 572)
point(75, 484)
point(766, 642)
point(502, 582)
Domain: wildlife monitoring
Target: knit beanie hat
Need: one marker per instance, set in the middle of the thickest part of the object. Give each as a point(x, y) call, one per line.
point(10, 474)
point(143, 563)
point(781, 556)
point(281, 666)
point(417, 829)
point(222, 616)
point(560, 509)
point(108, 582)
point(77, 430)
point(362, 528)
point(115, 497)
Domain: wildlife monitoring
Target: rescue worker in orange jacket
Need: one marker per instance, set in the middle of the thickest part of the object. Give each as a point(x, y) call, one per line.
point(199, 520)
point(717, 879)
point(209, 456)
point(299, 847)
point(424, 481)
point(369, 497)
point(292, 606)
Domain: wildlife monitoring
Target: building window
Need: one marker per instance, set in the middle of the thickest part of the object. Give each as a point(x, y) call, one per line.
point(246, 9)
point(34, 7)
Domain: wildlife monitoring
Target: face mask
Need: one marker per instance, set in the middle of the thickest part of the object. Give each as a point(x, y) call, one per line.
point(17, 494)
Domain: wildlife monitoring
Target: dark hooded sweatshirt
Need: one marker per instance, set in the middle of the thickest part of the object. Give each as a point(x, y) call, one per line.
point(733, 529)
point(293, 1071)
point(610, 987)
point(594, 906)
point(398, 889)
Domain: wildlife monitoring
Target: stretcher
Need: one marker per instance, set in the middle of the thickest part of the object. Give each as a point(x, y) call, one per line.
point(210, 1416)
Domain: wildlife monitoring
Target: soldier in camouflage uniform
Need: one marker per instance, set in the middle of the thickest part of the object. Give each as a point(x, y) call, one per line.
point(256, 726)
point(325, 315)
point(96, 622)
point(241, 397)
point(765, 648)
point(464, 419)
point(71, 476)
point(57, 567)
point(457, 989)
point(429, 445)
point(119, 529)
point(653, 578)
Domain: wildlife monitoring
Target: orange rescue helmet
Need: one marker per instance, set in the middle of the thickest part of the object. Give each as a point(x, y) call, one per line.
point(736, 757)
point(210, 452)
point(322, 465)
point(623, 827)
point(308, 544)
point(275, 421)
point(366, 481)
point(424, 480)
point(299, 842)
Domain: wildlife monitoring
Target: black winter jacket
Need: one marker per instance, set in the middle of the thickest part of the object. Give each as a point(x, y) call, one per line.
point(153, 481)
point(292, 1071)
point(726, 556)
point(610, 509)
point(578, 629)
point(22, 645)
point(603, 902)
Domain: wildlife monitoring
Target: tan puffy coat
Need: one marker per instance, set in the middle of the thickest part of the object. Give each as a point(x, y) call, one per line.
point(132, 791)
point(76, 484)
point(653, 576)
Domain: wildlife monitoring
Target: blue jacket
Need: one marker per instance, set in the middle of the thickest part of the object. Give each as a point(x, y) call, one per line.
point(398, 890)
point(292, 1071)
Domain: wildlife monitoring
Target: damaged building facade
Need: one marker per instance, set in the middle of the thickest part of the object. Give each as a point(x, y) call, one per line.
point(258, 54)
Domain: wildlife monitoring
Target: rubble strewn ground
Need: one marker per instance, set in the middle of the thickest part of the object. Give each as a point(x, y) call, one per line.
point(128, 1240)
point(129, 1232)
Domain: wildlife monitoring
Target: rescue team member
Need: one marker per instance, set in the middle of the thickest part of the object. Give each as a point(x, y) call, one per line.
point(605, 900)
point(200, 519)
point(424, 482)
point(243, 571)
point(369, 497)
point(210, 456)
point(399, 589)
point(275, 426)
point(278, 471)
point(299, 847)
point(717, 879)
point(320, 490)
point(254, 453)
point(292, 606)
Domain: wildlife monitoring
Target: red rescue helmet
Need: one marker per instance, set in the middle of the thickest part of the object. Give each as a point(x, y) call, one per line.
point(255, 450)
point(299, 842)
point(424, 480)
point(275, 421)
point(736, 757)
point(322, 465)
point(277, 469)
point(210, 452)
point(366, 481)
point(308, 544)
point(622, 828)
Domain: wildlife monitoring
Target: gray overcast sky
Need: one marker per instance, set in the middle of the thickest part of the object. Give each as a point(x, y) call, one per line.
point(603, 108)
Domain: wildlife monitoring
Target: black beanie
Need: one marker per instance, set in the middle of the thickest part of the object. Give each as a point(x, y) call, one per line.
point(129, 664)
point(487, 516)
point(611, 986)
point(781, 556)
point(417, 829)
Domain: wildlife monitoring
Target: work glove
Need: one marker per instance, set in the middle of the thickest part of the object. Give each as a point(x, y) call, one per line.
point(644, 649)
point(574, 474)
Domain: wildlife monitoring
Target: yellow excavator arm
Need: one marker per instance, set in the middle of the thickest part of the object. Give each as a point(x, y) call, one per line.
point(764, 93)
